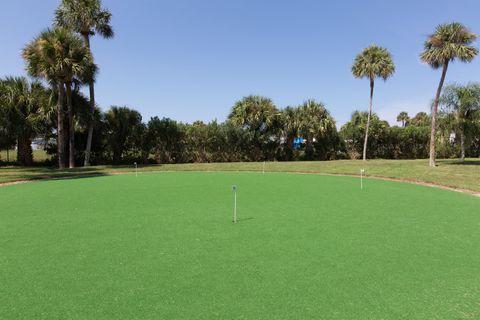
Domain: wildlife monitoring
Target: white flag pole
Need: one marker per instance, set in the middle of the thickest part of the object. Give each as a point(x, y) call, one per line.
point(361, 179)
point(136, 169)
point(234, 188)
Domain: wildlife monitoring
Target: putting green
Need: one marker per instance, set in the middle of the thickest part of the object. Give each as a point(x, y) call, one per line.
point(163, 246)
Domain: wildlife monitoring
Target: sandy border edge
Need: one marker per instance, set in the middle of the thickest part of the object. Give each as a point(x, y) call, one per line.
point(416, 182)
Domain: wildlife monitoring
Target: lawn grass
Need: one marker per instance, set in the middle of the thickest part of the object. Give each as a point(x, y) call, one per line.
point(38, 155)
point(163, 246)
point(450, 173)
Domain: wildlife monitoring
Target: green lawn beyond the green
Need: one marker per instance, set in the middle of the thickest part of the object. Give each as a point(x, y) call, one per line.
point(163, 246)
point(450, 173)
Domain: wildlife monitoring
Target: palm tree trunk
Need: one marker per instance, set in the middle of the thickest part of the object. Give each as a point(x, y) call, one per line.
point(289, 151)
point(71, 128)
point(372, 84)
point(117, 156)
point(24, 151)
point(60, 128)
point(309, 148)
point(88, 149)
point(462, 146)
point(434, 115)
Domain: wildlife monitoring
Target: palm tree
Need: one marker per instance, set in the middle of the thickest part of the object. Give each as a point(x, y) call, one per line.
point(448, 42)
point(403, 118)
point(421, 119)
point(254, 112)
point(315, 122)
point(464, 102)
point(291, 123)
point(59, 57)
point(371, 63)
point(23, 103)
point(121, 123)
point(260, 118)
point(7, 136)
point(86, 17)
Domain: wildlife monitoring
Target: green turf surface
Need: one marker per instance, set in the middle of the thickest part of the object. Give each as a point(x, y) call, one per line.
point(162, 246)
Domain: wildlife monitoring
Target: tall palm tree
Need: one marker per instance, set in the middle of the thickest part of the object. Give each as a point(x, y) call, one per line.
point(449, 42)
point(463, 102)
point(373, 62)
point(403, 118)
point(86, 17)
point(59, 57)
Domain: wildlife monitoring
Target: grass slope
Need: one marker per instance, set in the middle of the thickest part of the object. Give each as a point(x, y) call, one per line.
point(449, 173)
point(162, 246)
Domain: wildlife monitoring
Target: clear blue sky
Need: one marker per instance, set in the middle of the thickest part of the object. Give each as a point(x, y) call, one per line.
point(190, 59)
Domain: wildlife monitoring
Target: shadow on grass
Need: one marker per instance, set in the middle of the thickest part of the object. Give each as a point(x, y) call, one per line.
point(16, 173)
point(66, 175)
point(244, 219)
point(464, 163)
point(45, 173)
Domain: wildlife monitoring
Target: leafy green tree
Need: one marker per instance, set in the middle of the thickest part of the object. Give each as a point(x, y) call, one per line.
point(205, 142)
point(261, 119)
point(447, 136)
point(238, 142)
point(449, 42)
point(474, 148)
point(403, 118)
point(371, 63)
point(462, 102)
point(410, 142)
point(22, 103)
point(59, 57)
point(86, 17)
point(81, 108)
point(353, 133)
point(421, 119)
point(120, 125)
point(166, 140)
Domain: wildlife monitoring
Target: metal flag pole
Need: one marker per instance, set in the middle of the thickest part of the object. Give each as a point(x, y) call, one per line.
point(136, 171)
point(361, 178)
point(234, 188)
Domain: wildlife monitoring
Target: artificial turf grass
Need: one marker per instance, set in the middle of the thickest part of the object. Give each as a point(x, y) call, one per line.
point(163, 246)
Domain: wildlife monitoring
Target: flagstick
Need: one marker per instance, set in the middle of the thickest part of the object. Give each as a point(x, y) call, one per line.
point(136, 169)
point(234, 188)
point(361, 179)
